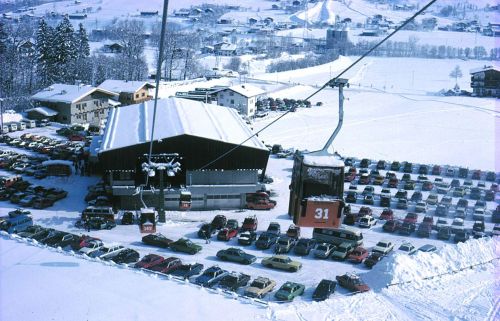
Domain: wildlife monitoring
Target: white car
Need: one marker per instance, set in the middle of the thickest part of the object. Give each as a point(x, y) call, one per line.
point(457, 225)
point(441, 222)
point(407, 248)
point(323, 250)
point(384, 247)
point(367, 221)
point(478, 214)
point(107, 252)
point(93, 245)
point(421, 207)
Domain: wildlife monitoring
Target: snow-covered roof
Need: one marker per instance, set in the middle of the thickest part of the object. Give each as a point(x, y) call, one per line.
point(67, 93)
point(485, 68)
point(123, 86)
point(323, 160)
point(46, 111)
point(114, 103)
point(247, 90)
point(130, 125)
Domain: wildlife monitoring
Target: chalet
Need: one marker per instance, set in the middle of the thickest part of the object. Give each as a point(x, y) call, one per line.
point(492, 30)
point(77, 16)
point(149, 13)
point(207, 50)
point(129, 92)
point(206, 95)
point(113, 47)
point(225, 21)
point(252, 21)
point(27, 48)
point(76, 103)
point(225, 49)
point(240, 97)
point(182, 13)
point(485, 81)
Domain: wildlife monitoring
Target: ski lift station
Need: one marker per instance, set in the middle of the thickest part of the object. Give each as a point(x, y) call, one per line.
point(200, 134)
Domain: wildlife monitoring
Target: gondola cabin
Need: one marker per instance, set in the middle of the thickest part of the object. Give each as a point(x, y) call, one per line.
point(148, 220)
point(316, 190)
point(185, 200)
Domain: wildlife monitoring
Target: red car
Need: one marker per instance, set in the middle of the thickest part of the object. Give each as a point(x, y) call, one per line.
point(411, 218)
point(226, 234)
point(428, 220)
point(387, 214)
point(166, 265)
point(393, 182)
point(250, 223)
point(149, 261)
point(365, 210)
point(391, 226)
point(84, 241)
point(352, 282)
point(358, 255)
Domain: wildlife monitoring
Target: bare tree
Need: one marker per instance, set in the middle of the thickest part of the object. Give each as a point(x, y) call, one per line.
point(456, 73)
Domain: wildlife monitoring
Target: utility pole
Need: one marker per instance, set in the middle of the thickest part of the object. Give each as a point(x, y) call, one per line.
point(1, 114)
point(338, 82)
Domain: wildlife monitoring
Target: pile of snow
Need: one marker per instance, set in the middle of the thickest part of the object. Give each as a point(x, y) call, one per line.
point(401, 268)
point(321, 12)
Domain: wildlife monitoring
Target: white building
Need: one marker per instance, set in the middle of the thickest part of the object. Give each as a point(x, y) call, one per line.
point(240, 97)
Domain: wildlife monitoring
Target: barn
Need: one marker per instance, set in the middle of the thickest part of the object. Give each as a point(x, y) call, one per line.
point(199, 133)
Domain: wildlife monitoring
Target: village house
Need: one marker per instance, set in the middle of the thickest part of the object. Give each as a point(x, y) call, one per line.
point(225, 49)
point(485, 81)
point(76, 103)
point(129, 92)
point(240, 97)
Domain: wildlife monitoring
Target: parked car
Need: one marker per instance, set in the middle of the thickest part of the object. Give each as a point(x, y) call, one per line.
point(352, 282)
point(424, 230)
point(381, 164)
point(393, 182)
point(427, 248)
point(107, 251)
point(395, 166)
point(323, 250)
point(432, 199)
point(391, 226)
point(384, 247)
point(128, 218)
point(416, 196)
point(407, 248)
point(289, 291)
point(167, 265)
point(157, 239)
point(186, 246)
point(342, 251)
point(233, 281)
point(211, 276)
point(149, 261)
point(407, 228)
point(206, 231)
point(444, 233)
point(266, 240)
point(219, 222)
point(324, 289)
point(274, 228)
point(293, 232)
point(358, 255)
point(236, 255)
point(367, 221)
point(478, 226)
point(351, 197)
point(125, 257)
point(304, 246)
point(411, 218)
point(282, 262)
point(260, 287)
point(421, 207)
point(461, 236)
point(90, 247)
point(387, 214)
point(185, 271)
point(247, 238)
point(283, 245)
point(227, 234)
point(250, 223)
point(373, 259)
point(457, 225)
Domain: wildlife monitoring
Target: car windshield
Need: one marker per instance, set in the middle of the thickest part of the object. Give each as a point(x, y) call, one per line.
point(258, 284)
point(322, 248)
point(287, 288)
point(283, 242)
point(382, 244)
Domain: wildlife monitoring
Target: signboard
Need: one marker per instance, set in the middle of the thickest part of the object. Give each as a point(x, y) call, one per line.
point(148, 220)
point(320, 213)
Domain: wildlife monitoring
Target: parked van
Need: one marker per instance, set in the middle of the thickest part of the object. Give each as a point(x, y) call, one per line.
point(16, 224)
point(105, 212)
point(29, 123)
point(21, 125)
point(12, 127)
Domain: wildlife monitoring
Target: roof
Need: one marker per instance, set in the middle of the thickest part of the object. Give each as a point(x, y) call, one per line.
point(46, 111)
point(67, 93)
point(485, 68)
point(247, 90)
point(131, 125)
point(124, 86)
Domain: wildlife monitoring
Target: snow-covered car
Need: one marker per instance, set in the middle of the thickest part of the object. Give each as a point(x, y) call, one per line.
point(421, 207)
point(211, 276)
point(367, 221)
point(427, 248)
point(384, 247)
point(107, 251)
point(352, 282)
point(247, 238)
point(407, 248)
point(457, 225)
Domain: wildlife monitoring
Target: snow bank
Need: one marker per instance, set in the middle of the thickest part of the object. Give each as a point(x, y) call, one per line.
point(401, 268)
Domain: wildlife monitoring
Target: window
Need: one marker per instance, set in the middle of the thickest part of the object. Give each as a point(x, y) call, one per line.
point(232, 101)
point(78, 106)
point(84, 105)
point(136, 95)
point(231, 93)
point(143, 94)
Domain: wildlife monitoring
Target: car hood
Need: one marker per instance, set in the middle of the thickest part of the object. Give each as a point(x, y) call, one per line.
point(380, 249)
